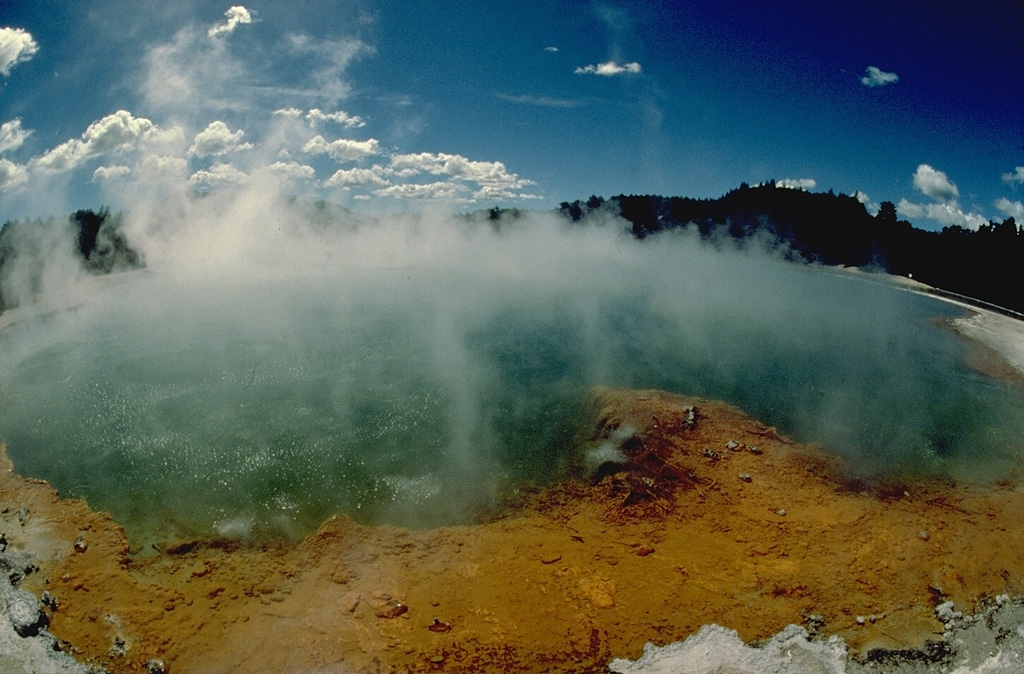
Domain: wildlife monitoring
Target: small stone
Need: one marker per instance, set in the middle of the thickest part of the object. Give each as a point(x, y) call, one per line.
point(861, 620)
point(120, 647)
point(391, 609)
point(734, 446)
point(644, 551)
point(711, 454)
point(745, 477)
point(814, 621)
point(49, 600)
point(551, 560)
point(923, 534)
point(781, 512)
point(755, 450)
point(439, 627)
point(157, 666)
point(80, 544)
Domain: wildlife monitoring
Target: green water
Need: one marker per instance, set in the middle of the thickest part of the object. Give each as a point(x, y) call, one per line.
point(406, 398)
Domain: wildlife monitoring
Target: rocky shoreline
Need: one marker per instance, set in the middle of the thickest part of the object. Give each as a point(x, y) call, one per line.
point(709, 518)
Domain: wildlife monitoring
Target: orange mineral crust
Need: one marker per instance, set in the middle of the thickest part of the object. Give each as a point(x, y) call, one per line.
point(713, 517)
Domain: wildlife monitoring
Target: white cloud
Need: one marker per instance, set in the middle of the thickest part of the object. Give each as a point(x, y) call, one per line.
point(16, 46)
point(1016, 177)
point(12, 135)
point(609, 69)
point(935, 184)
point(343, 149)
point(495, 193)
point(217, 140)
point(315, 116)
point(910, 209)
point(236, 15)
point(357, 177)
point(12, 175)
point(162, 167)
point(486, 173)
point(447, 191)
point(218, 175)
point(105, 173)
point(292, 170)
point(947, 213)
point(117, 132)
point(870, 206)
point(288, 112)
point(551, 49)
point(874, 77)
point(493, 180)
point(798, 183)
point(1014, 209)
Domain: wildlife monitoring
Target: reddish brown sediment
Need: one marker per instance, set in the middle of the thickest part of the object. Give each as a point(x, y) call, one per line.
point(565, 580)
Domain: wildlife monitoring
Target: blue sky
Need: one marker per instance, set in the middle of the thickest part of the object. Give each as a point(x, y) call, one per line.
point(392, 104)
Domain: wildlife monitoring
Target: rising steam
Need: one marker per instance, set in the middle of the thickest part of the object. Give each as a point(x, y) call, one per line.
point(279, 360)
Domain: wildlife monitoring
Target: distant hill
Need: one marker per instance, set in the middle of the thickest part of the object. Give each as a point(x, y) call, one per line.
point(836, 229)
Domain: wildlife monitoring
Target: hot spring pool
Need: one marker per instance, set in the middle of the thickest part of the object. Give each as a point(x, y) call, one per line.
point(417, 394)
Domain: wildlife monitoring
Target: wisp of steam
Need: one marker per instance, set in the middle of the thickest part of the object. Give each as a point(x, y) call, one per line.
point(277, 362)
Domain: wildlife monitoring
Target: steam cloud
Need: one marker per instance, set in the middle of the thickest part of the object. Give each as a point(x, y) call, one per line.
point(278, 360)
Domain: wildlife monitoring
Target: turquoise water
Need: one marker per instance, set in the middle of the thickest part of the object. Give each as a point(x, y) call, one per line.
point(418, 396)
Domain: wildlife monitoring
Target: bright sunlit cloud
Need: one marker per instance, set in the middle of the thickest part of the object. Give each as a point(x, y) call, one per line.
point(316, 116)
point(610, 69)
point(117, 132)
point(218, 175)
point(357, 177)
point(343, 149)
point(292, 170)
point(1014, 209)
point(236, 15)
point(798, 184)
point(935, 184)
point(105, 173)
point(16, 46)
point(1016, 176)
point(12, 136)
point(444, 190)
point(949, 214)
point(12, 175)
point(875, 77)
point(217, 140)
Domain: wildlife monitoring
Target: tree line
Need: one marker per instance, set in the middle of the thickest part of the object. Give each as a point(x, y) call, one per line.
point(824, 228)
point(91, 240)
point(836, 229)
